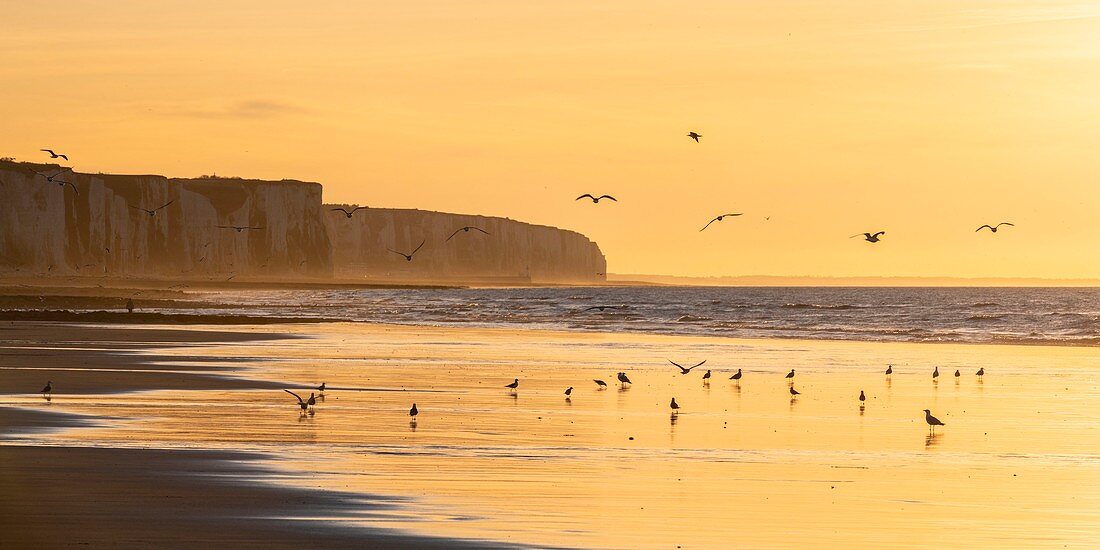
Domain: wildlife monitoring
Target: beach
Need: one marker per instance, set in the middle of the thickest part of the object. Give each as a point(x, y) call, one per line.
point(740, 465)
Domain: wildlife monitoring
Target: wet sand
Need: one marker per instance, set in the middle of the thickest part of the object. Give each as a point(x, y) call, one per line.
point(1016, 466)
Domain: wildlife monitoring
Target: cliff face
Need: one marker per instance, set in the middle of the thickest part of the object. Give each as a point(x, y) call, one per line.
point(512, 252)
point(47, 229)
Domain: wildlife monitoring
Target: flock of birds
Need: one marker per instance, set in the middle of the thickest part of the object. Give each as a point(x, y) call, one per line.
point(868, 236)
point(306, 405)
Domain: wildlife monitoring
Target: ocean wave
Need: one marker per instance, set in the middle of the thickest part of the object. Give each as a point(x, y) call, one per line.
point(984, 304)
point(822, 306)
point(981, 317)
point(692, 319)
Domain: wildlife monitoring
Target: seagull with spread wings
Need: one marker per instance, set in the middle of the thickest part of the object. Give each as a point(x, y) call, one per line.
point(154, 211)
point(238, 228)
point(686, 370)
point(347, 212)
point(695, 136)
point(993, 228)
point(409, 256)
point(467, 230)
point(717, 219)
point(869, 237)
point(596, 200)
point(54, 155)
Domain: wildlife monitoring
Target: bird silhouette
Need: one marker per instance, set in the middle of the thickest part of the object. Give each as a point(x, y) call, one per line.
point(50, 177)
point(737, 375)
point(467, 230)
point(889, 370)
point(413, 411)
point(684, 370)
point(602, 308)
point(623, 379)
point(312, 400)
point(513, 385)
point(981, 372)
point(569, 391)
point(695, 136)
point(321, 388)
point(869, 237)
point(790, 375)
point(936, 373)
point(932, 421)
point(346, 212)
point(674, 405)
point(54, 155)
point(596, 200)
point(238, 228)
point(793, 391)
point(957, 373)
point(717, 219)
point(993, 228)
point(154, 211)
point(409, 256)
point(862, 397)
point(706, 377)
point(48, 389)
point(301, 402)
point(600, 384)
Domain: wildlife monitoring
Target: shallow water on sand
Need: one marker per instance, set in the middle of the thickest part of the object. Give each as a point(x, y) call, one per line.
point(1018, 463)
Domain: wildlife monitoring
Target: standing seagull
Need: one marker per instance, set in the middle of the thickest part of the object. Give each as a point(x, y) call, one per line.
point(793, 391)
point(48, 389)
point(596, 200)
point(694, 136)
point(869, 237)
point(301, 402)
point(993, 228)
point(981, 372)
point(413, 412)
point(932, 421)
point(346, 212)
point(321, 388)
point(54, 155)
point(466, 229)
point(706, 377)
point(936, 373)
point(600, 384)
point(736, 376)
point(957, 374)
point(674, 406)
point(312, 400)
point(513, 385)
point(889, 370)
point(154, 211)
point(623, 380)
point(790, 376)
point(717, 219)
point(569, 391)
point(686, 370)
point(862, 397)
point(409, 256)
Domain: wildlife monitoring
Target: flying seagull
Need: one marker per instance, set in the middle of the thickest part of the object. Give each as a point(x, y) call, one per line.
point(717, 219)
point(869, 237)
point(54, 155)
point(993, 228)
point(154, 211)
point(466, 229)
point(409, 256)
point(694, 136)
point(688, 369)
point(602, 308)
point(596, 200)
point(346, 212)
point(238, 228)
point(301, 402)
point(932, 421)
point(50, 178)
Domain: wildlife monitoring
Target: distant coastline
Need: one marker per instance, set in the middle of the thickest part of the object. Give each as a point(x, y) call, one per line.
point(813, 281)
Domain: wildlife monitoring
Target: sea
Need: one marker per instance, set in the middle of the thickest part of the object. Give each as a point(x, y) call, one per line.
point(1044, 316)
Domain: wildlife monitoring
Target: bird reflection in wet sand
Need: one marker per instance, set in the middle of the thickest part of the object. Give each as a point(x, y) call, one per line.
point(931, 440)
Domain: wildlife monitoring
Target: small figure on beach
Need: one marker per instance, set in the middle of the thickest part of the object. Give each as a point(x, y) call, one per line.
point(932, 421)
point(889, 370)
point(981, 372)
point(129, 305)
point(862, 396)
point(674, 406)
point(737, 376)
point(706, 378)
point(623, 379)
point(600, 384)
point(321, 388)
point(794, 392)
point(936, 373)
point(568, 391)
point(790, 377)
point(513, 385)
point(957, 375)
point(413, 411)
point(48, 389)
point(302, 403)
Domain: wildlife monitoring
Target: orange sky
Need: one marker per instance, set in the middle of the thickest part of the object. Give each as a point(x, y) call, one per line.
point(924, 119)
